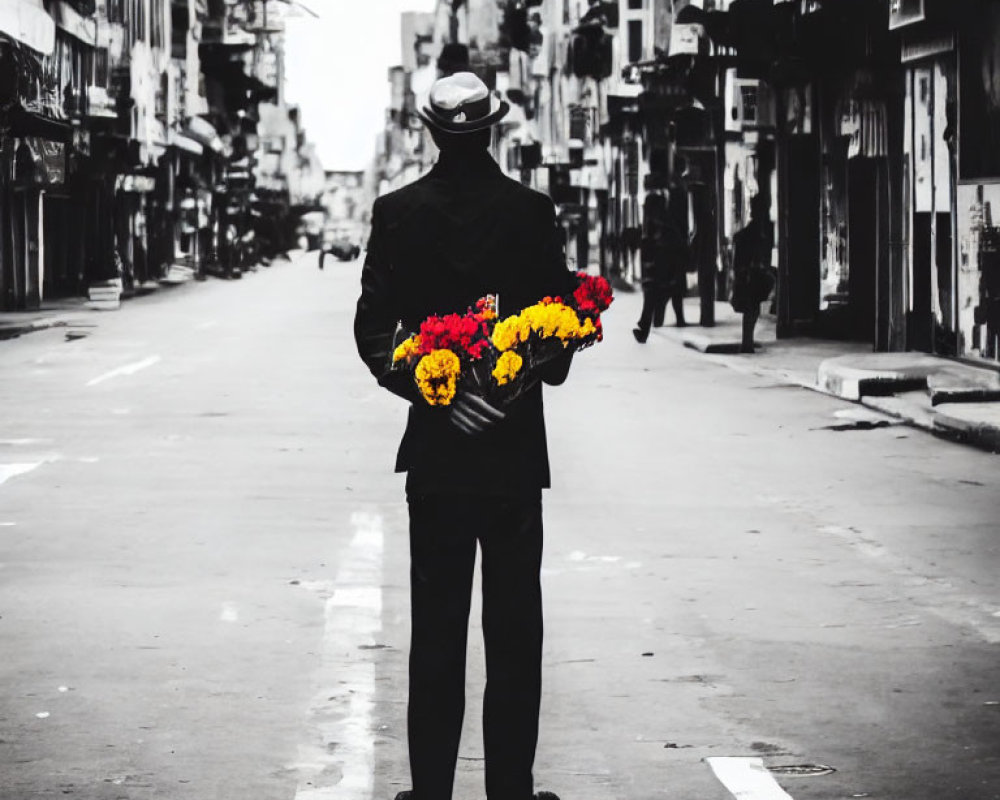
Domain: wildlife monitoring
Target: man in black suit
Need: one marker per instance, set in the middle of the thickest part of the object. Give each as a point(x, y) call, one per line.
point(475, 473)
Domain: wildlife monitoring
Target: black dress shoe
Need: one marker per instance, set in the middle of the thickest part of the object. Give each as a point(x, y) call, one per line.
point(640, 336)
point(546, 796)
point(407, 795)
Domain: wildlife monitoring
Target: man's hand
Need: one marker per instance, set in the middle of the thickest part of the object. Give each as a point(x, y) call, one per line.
point(473, 415)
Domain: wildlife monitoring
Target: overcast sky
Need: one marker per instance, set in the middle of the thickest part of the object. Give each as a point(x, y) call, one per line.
point(336, 71)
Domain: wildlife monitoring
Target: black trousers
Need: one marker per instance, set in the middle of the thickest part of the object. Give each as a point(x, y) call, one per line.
point(654, 306)
point(444, 532)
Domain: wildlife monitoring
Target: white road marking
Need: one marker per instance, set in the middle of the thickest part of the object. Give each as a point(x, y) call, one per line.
point(579, 555)
point(230, 613)
point(128, 369)
point(747, 778)
point(8, 471)
point(339, 762)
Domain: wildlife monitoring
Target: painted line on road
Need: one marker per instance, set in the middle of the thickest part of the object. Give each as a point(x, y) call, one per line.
point(339, 761)
point(128, 369)
point(747, 778)
point(8, 471)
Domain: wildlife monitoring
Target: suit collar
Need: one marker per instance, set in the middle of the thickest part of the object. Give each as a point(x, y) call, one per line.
point(465, 166)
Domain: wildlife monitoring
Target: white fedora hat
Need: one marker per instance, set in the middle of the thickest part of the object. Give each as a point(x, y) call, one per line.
point(462, 103)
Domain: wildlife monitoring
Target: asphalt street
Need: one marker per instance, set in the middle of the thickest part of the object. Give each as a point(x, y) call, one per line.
point(203, 571)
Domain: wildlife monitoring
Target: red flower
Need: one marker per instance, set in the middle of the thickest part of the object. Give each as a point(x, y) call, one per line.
point(593, 295)
point(458, 333)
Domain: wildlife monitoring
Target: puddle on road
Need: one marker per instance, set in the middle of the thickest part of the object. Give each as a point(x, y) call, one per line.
point(859, 419)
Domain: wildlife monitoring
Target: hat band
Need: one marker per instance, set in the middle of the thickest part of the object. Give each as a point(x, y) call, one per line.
point(474, 110)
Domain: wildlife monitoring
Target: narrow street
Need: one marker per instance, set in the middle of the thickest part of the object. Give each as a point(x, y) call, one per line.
point(204, 570)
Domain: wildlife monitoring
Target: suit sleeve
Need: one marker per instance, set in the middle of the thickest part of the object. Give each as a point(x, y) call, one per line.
point(377, 315)
point(556, 280)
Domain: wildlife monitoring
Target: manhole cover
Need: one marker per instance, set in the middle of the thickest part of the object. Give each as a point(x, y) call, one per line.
point(801, 770)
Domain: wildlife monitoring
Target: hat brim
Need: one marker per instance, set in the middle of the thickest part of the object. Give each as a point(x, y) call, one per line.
point(498, 110)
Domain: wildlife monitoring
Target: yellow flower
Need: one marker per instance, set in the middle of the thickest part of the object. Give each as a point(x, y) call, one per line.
point(508, 365)
point(553, 320)
point(510, 332)
point(407, 349)
point(587, 329)
point(437, 376)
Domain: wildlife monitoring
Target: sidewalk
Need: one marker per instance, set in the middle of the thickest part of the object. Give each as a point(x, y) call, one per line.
point(54, 314)
point(77, 313)
point(951, 399)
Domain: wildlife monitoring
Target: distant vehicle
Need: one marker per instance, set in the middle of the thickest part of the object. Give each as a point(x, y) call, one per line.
point(342, 250)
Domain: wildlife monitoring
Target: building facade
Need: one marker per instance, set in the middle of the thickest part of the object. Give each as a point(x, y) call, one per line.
point(866, 126)
point(128, 143)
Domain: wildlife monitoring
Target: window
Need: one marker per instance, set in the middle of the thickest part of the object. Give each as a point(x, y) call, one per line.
point(636, 5)
point(180, 23)
point(748, 102)
point(102, 71)
point(116, 11)
point(635, 40)
point(156, 37)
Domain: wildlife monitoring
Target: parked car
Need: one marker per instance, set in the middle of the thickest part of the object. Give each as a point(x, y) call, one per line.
point(341, 249)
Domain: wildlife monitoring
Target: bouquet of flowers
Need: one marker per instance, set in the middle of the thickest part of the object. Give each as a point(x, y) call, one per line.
point(498, 359)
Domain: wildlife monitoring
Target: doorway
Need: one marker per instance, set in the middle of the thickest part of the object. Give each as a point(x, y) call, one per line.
point(862, 246)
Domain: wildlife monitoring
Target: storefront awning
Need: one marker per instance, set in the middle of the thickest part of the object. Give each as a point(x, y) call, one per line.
point(28, 22)
point(203, 131)
point(28, 123)
point(74, 23)
point(185, 143)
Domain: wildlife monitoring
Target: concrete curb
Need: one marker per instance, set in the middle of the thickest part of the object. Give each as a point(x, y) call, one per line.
point(705, 343)
point(837, 377)
point(12, 330)
point(904, 393)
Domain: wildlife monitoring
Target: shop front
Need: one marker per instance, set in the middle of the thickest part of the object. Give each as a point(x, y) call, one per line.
point(977, 305)
point(36, 250)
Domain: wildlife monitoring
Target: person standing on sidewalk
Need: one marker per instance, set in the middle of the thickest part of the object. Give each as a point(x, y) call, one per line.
point(752, 275)
point(475, 474)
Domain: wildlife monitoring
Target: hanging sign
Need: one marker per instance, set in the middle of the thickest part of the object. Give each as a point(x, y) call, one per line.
point(685, 38)
point(135, 183)
point(905, 12)
point(49, 159)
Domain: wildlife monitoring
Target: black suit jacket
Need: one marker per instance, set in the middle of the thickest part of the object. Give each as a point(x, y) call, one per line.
point(462, 231)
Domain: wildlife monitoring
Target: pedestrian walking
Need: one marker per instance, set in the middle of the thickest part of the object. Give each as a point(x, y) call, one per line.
point(475, 474)
point(753, 277)
point(662, 253)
